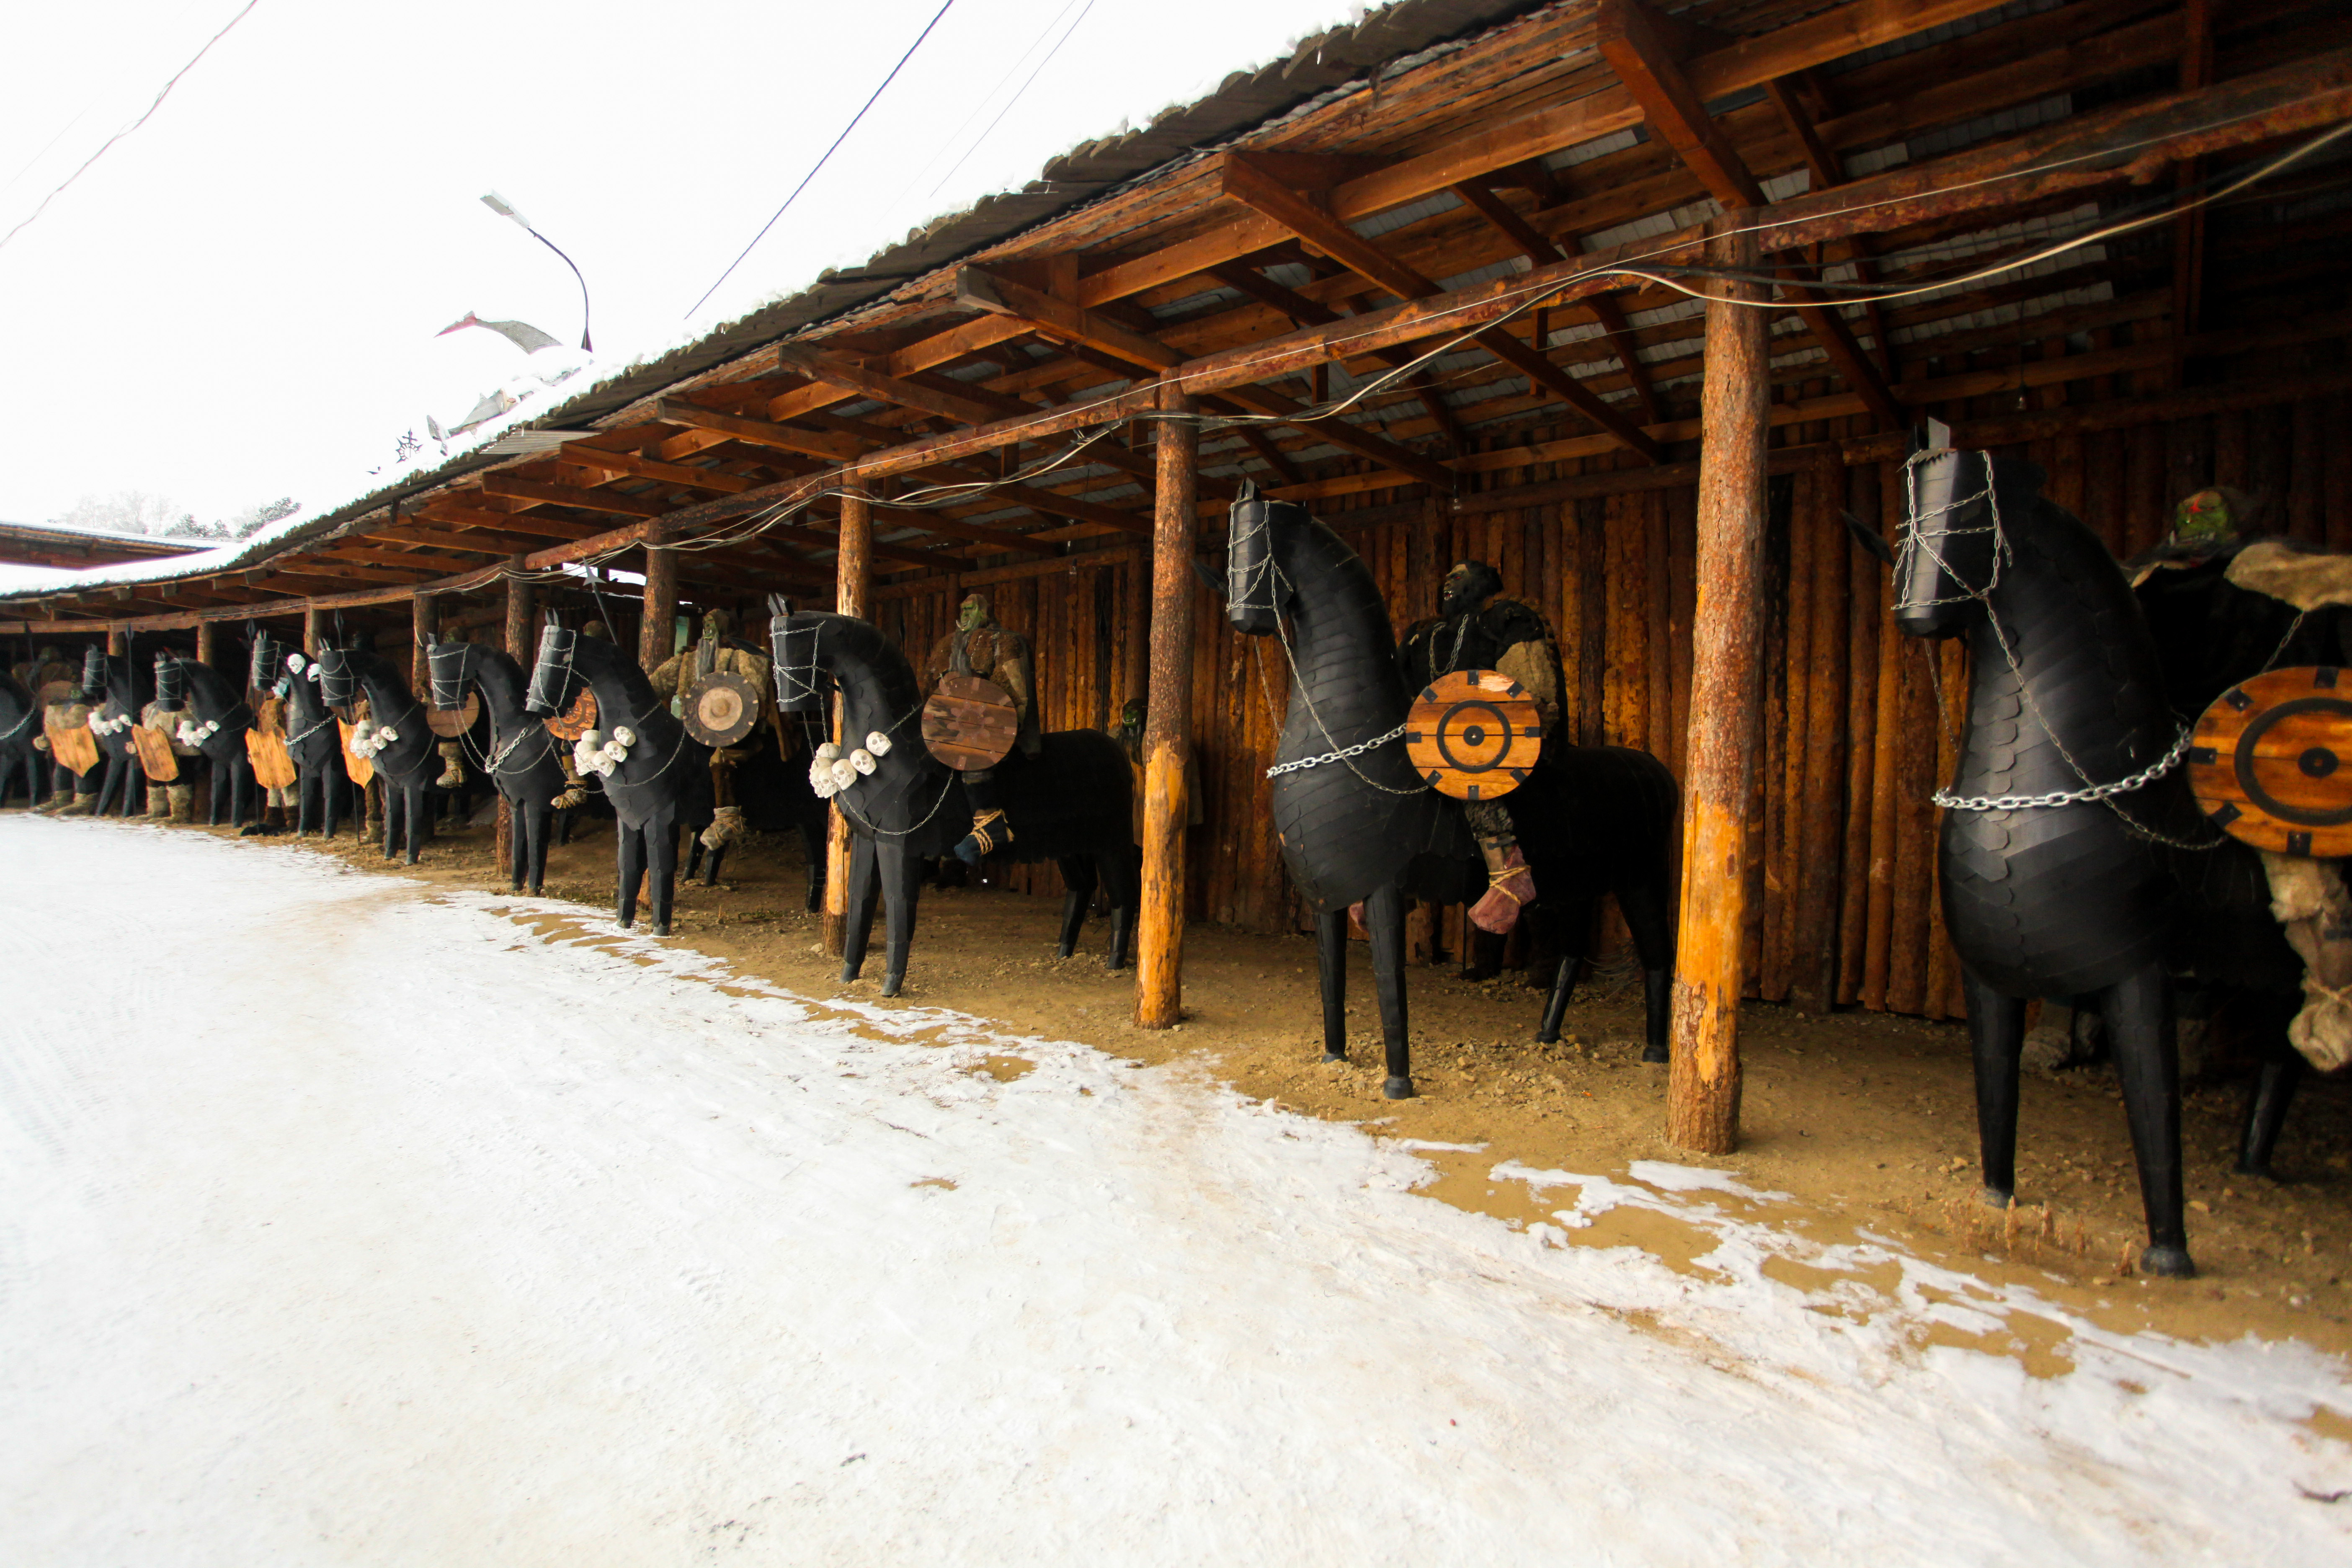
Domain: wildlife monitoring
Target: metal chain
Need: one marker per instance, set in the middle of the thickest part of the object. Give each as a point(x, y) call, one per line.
point(2140, 780)
point(2101, 794)
point(1344, 756)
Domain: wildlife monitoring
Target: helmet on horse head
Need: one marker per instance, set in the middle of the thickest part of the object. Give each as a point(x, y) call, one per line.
point(550, 674)
point(1953, 546)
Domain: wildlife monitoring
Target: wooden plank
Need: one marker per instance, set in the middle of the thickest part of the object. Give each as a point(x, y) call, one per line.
point(758, 432)
point(513, 486)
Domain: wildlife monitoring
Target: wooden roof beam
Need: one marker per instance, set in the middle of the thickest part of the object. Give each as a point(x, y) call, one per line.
point(1640, 47)
point(975, 405)
point(1305, 312)
point(1247, 183)
point(1480, 197)
point(1821, 166)
point(981, 290)
point(514, 487)
point(758, 432)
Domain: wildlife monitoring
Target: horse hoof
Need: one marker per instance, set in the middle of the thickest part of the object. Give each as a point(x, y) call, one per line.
point(661, 928)
point(1653, 1054)
point(251, 830)
point(2248, 1168)
point(890, 986)
point(848, 972)
point(1546, 1039)
point(2167, 1263)
point(1995, 1197)
point(1335, 1056)
point(1066, 950)
point(1398, 1088)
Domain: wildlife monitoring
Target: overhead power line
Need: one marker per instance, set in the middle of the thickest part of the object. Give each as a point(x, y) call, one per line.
point(135, 125)
point(829, 152)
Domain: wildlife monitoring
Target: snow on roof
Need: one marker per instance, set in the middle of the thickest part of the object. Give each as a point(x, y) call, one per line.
point(1317, 65)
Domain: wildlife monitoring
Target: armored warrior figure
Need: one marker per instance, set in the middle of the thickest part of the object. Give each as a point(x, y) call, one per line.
point(1476, 629)
point(713, 652)
point(979, 647)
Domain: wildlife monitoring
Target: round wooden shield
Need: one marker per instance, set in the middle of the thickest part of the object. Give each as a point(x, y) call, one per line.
point(1473, 734)
point(156, 758)
point(968, 723)
point(577, 720)
point(451, 722)
point(2270, 762)
point(359, 768)
point(54, 692)
point(721, 708)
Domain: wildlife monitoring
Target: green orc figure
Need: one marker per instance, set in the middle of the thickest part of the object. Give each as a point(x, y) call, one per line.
point(979, 647)
point(716, 650)
point(1476, 629)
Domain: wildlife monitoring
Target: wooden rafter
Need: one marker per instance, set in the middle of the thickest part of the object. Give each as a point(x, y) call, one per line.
point(1640, 48)
point(984, 291)
point(1480, 197)
point(1246, 183)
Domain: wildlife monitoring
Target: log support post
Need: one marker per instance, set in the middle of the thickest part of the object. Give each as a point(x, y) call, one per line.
point(853, 592)
point(1703, 1089)
point(314, 630)
point(422, 614)
point(656, 631)
point(207, 640)
point(519, 648)
point(117, 641)
point(1168, 724)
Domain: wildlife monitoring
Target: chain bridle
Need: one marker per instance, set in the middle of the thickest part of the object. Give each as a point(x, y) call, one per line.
point(1915, 540)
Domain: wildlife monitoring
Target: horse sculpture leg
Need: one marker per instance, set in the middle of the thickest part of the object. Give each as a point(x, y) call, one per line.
point(902, 879)
point(1080, 877)
point(661, 856)
point(1648, 906)
point(813, 846)
point(420, 819)
point(630, 860)
point(1384, 915)
point(529, 833)
point(1575, 926)
point(2266, 1108)
point(2138, 1013)
point(1331, 969)
point(857, 916)
point(1997, 1035)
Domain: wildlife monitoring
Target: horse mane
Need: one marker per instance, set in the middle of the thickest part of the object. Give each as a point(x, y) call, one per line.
point(211, 685)
point(853, 641)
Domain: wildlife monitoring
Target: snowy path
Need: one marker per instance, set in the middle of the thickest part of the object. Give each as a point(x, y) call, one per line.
point(359, 1227)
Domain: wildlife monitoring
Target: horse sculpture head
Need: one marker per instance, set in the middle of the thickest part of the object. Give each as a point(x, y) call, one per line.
point(452, 664)
point(269, 661)
point(171, 683)
point(553, 681)
point(1255, 592)
point(1955, 543)
point(338, 677)
point(802, 685)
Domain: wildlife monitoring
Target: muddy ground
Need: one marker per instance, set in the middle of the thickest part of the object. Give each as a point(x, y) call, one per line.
point(1866, 1121)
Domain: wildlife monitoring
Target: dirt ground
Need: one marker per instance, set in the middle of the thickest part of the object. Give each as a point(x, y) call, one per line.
point(1866, 1121)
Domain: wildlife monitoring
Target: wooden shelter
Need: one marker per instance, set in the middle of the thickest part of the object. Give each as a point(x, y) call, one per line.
point(1506, 240)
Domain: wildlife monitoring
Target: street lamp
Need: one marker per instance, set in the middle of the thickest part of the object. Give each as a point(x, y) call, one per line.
point(504, 209)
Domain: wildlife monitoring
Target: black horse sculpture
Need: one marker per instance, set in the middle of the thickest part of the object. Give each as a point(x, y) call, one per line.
point(20, 721)
point(656, 775)
point(322, 784)
point(2075, 864)
point(1356, 824)
point(216, 722)
point(398, 742)
point(119, 690)
point(522, 759)
point(1069, 804)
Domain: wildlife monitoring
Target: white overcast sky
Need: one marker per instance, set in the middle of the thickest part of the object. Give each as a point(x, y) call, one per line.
point(238, 301)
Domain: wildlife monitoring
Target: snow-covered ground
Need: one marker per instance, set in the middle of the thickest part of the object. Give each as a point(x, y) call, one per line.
point(342, 1223)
